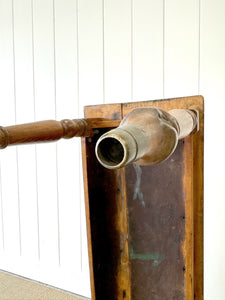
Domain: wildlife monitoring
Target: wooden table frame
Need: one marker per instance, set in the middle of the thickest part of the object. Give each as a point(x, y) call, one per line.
point(106, 200)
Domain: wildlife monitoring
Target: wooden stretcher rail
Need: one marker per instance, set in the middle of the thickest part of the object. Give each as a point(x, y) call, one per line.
point(51, 130)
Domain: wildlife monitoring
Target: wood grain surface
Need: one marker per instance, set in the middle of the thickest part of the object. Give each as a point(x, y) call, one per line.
point(110, 216)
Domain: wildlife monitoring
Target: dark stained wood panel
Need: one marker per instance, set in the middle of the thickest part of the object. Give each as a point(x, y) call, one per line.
point(156, 218)
point(160, 257)
point(107, 209)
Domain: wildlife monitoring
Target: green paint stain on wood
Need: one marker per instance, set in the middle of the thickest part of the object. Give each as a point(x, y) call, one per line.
point(156, 258)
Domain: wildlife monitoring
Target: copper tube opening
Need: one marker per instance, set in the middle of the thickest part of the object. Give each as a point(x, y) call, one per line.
point(111, 151)
point(120, 146)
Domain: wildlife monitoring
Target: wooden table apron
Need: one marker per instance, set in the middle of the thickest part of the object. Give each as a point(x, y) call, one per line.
point(145, 224)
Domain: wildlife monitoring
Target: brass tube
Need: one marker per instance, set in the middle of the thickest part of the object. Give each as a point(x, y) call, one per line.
point(121, 146)
point(147, 136)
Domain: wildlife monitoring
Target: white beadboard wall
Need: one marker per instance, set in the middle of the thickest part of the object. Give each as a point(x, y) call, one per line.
point(57, 56)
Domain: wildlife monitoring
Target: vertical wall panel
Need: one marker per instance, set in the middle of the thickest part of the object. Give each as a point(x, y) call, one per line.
point(117, 50)
point(39, 68)
point(71, 223)
point(9, 184)
point(212, 81)
point(90, 52)
point(67, 151)
point(65, 31)
point(147, 50)
point(181, 47)
point(25, 113)
point(44, 72)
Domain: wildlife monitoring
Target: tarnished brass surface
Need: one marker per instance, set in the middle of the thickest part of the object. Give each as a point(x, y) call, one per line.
point(147, 136)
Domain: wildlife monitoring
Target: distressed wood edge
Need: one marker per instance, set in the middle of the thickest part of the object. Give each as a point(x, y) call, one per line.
point(176, 102)
point(123, 275)
point(166, 104)
point(198, 201)
point(188, 245)
point(125, 255)
point(87, 213)
point(109, 111)
point(198, 198)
